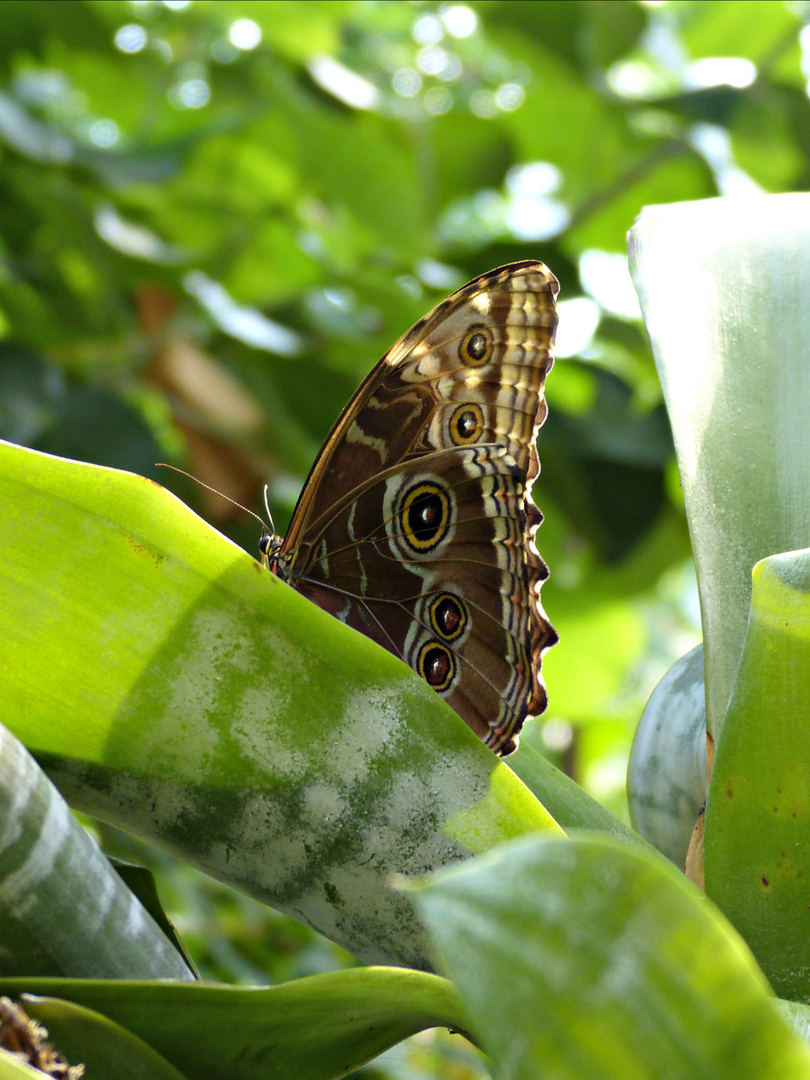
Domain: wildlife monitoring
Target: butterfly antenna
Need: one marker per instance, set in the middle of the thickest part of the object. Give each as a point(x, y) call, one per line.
point(267, 508)
point(216, 491)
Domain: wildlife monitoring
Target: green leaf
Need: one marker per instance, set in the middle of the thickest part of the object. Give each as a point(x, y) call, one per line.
point(174, 688)
point(761, 29)
point(141, 882)
point(103, 1047)
point(311, 1029)
point(757, 859)
point(63, 909)
point(565, 800)
point(723, 287)
point(581, 958)
point(298, 32)
point(762, 132)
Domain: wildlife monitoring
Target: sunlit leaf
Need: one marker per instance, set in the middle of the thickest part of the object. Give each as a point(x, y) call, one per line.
point(212, 709)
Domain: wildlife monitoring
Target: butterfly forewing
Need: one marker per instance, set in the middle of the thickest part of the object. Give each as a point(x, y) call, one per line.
point(416, 525)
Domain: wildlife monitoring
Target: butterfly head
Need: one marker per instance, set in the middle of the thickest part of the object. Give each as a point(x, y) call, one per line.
point(270, 550)
point(270, 544)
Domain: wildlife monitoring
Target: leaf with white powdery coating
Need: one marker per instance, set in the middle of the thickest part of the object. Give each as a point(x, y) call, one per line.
point(173, 687)
point(723, 286)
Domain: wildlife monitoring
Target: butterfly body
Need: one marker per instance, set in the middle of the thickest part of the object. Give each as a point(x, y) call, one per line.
point(416, 524)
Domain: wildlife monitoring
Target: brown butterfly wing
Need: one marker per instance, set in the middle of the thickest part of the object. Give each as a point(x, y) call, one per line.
point(416, 525)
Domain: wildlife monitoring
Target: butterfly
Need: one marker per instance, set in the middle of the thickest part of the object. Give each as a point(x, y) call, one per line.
point(416, 524)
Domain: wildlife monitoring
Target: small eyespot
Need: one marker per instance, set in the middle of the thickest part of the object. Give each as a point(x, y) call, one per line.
point(437, 665)
point(448, 616)
point(424, 517)
point(476, 346)
point(466, 424)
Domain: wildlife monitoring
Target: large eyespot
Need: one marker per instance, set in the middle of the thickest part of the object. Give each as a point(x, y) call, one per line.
point(476, 346)
point(466, 424)
point(437, 665)
point(448, 616)
point(424, 515)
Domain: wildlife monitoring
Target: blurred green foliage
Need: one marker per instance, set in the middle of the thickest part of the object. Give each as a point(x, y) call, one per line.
point(215, 216)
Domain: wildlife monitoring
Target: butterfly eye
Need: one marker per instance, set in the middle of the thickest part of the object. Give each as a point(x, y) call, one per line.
point(476, 346)
point(466, 424)
point(448, 616)
point(436, 665)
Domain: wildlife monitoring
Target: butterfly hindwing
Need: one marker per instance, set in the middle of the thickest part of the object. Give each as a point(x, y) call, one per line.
point(417, 526)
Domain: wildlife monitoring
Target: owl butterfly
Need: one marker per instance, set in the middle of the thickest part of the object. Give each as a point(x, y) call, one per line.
point(416, 525)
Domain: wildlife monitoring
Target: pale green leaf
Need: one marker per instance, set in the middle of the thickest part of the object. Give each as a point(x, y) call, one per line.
point(723, 286)
point(173, 687)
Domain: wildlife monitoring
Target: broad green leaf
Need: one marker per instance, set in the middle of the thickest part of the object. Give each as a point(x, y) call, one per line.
point(582, 959)
point(63, 909)
point(175, 689)
point(723, 287)
point(104, 1048)
point(573, 97)
point(388, 178)
point(757, 858)
point(311, 1029)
